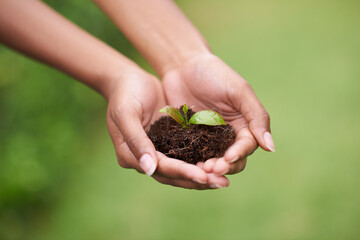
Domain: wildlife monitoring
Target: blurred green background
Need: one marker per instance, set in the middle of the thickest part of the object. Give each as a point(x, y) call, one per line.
point(59, 178)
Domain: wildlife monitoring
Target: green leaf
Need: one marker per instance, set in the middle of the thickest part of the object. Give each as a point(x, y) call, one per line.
point(207, 117)
point(185, 110)
point(174, 113)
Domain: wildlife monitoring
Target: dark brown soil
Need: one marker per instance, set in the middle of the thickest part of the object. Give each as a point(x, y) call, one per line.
point(195, 144)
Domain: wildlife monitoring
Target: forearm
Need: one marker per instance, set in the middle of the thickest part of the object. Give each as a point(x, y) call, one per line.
point(33, 28)
point(158, 29)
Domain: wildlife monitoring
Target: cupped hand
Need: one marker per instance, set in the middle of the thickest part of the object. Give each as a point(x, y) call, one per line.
point(134, 103)
point(206, 82)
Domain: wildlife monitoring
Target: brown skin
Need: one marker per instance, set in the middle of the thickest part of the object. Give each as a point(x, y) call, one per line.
point(206, 82)
point(172, 43)
point(192, 74)
point(43, 34)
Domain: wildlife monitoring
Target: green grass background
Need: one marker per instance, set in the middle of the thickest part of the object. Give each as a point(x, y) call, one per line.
point(59, 178)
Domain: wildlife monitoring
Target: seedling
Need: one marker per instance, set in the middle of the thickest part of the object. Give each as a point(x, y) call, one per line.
point(206, 117)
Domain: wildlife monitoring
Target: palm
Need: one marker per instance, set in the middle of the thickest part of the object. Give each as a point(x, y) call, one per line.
point(207, 84)
point(144, 95)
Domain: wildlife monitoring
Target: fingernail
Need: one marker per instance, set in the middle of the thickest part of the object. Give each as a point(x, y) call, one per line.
point(216, 186)
point(223, 172)
point(199, 181)
point(269, 141)
point(234, 160)
point(147, 164)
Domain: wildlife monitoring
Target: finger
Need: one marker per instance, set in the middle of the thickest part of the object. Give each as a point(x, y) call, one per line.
point(124, 156)
point(127, 160)
point(217, 181)
point(208, 165)
point(180, 183)
point(167, 167)
point(128, 121)
point(177, 169)
point(257, 117)
point(244, 145)
point(223, 167)
point(214, 183)
point(200, 164)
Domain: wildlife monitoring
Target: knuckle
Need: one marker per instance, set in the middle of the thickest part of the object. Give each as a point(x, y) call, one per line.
point(238, 167)
point(118, 111)
point(122, 109)
point(253, 146)
point(261, 118)
point(265, 115)
point(123, 163)
point(121, 157)
point(131, 142)
point(246, 85)
point(250, 146)
point(242, 166)
point(246, 89)
point(166, 181)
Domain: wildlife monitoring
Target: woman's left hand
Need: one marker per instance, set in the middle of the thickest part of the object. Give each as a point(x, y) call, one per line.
point(206, 82)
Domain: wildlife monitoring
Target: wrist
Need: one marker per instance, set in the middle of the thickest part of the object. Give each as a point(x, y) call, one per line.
point(190, 59)
point(180, 57)
point(113, 74)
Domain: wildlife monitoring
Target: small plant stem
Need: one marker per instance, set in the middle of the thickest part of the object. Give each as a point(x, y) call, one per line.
point(186, 120)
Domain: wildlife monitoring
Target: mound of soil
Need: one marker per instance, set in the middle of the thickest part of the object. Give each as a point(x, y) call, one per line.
point(195, 144)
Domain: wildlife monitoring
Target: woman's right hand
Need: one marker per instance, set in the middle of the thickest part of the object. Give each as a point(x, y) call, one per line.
point(134, 102)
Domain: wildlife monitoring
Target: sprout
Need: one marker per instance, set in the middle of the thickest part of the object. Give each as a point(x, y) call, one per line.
point(206, 117)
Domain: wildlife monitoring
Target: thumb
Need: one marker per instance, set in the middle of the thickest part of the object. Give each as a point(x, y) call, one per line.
point(140, 145)
point(257, 117)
